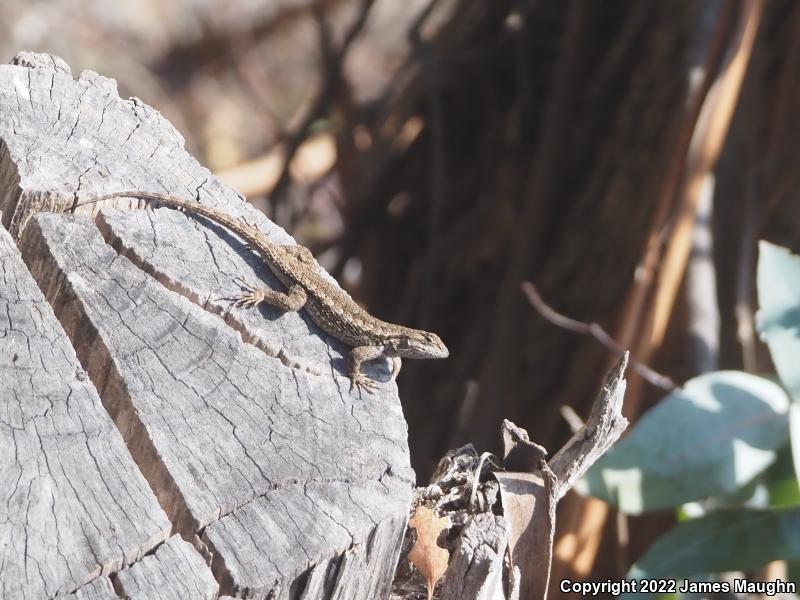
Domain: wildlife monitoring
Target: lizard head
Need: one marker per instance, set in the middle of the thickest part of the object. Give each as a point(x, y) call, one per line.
point(415, 343)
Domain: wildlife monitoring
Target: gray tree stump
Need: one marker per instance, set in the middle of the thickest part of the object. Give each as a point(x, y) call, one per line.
point(135, 404)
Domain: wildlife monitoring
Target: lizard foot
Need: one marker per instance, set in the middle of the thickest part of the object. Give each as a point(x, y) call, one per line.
point(251, 296)
point(361, 381)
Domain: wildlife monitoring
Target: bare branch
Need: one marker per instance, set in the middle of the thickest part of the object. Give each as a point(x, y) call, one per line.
point(603, 427)
point(594, 330)
point(332, 83)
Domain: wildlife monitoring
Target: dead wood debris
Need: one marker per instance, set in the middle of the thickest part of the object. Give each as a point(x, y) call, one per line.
point(501, 518)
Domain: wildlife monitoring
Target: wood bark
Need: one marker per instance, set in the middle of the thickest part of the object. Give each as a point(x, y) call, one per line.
point(136, 403)
point(476, 567)
point(504, 551)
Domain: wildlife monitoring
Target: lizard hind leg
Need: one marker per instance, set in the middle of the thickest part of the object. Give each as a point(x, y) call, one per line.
point(251, 296)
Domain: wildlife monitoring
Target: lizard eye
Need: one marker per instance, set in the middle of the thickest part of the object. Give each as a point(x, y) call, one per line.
point(403, 344)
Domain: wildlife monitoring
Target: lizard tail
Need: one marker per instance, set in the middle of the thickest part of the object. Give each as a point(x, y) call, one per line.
point(148, 196)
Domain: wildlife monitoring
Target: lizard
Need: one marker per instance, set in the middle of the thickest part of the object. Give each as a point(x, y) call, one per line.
point(329, 306)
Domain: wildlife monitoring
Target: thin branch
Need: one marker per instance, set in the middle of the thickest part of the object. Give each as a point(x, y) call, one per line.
point(530, 486)
point(415, 31)
point(634, 307)
point(705, 147)
point(594, 330)
point(571, 417)
point(332, 82)
point(603, 427)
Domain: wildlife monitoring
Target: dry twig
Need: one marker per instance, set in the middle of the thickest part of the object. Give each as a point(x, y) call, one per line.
point(594, 330)
point(332, 85)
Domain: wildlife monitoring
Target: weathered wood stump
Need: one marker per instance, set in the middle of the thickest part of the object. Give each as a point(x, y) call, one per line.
point(154, 442)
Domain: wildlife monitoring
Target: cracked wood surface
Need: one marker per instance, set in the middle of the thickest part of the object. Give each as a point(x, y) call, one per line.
point(243, 423)
point(72, 503)
point(476, 565)
point(176, 570)
point(201, 260)
point(98, 589)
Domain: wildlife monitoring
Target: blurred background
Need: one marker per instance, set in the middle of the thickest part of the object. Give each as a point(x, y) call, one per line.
point(623, 156)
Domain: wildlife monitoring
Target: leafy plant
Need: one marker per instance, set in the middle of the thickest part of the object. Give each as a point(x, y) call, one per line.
point(728, 439)
point(712, 437)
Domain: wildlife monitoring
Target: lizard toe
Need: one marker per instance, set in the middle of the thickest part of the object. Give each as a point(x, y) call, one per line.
point(363, 383)
point(247, 300)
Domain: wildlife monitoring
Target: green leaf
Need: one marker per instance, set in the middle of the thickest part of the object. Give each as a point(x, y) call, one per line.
point(794, 572)
point(778, 282)
point(777, 486)
point(782, 485)
point(710, 438)
point(751, 495)
point(729, 540)
point(794, 436)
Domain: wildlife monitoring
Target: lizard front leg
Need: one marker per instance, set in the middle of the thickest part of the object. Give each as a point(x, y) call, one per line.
point(358, 355)
point(292, 300)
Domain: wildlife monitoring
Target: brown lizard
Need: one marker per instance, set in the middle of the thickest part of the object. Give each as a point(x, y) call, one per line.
point(329, 306)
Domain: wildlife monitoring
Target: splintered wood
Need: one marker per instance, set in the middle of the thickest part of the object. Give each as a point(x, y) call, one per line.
point(135, 404)
point(502, 543)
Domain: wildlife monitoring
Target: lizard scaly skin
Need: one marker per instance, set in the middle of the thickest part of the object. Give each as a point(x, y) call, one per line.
point(329, 306)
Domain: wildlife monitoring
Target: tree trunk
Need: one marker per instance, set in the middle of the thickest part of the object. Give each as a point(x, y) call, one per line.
point(136, 405)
